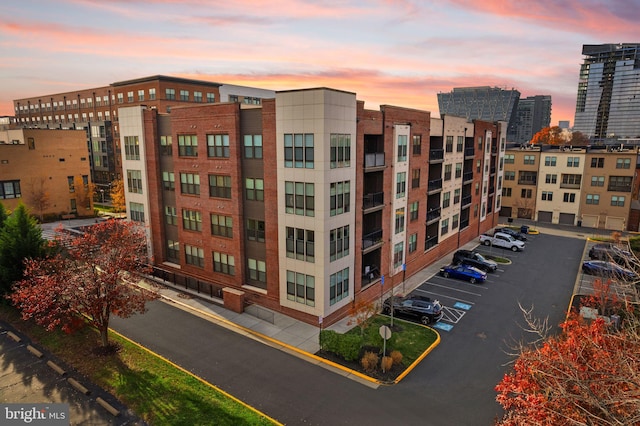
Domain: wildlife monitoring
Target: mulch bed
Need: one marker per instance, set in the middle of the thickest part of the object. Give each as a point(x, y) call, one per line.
point(387, 377)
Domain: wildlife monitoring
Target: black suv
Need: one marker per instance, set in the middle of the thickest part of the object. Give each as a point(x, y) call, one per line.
point(610, 252)
point(423, 308)
point(475, 259)
point(515, 234)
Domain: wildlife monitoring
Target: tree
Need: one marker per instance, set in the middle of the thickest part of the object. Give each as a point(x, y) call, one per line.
point(117, 195)
point(362, 315)
point(549, 136)
point(588, 375)
point(38, 197)
point(91, 277)
point(83, 191)
point(3, 216)
point(578, 139)
point(20, 239)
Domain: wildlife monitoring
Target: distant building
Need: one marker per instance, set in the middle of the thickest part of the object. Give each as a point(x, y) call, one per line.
point(608, 102)
point(564, 124)
point(532, 115)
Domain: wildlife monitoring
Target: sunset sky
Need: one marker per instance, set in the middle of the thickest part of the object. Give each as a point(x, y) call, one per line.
point(396, 52)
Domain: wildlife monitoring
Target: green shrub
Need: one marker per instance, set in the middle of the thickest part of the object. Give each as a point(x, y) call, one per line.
point(369, 361)
point(345, 345)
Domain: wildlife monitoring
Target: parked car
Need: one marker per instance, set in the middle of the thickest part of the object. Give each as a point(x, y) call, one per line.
point(500, 239)
point(475, 259)
point(422, 308)
point(602, 268)
point(515, 234)
point(464, 272)
point(611, 252)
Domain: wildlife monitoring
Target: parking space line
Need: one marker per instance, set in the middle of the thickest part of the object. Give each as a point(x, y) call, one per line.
point(457, 289)
point(444, 296)
point(452, 315)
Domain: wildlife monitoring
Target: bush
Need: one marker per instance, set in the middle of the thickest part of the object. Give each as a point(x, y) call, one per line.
point(396, 356)
point(345, 345)
point(387, 363)
point(369, 361)
point(634, 243)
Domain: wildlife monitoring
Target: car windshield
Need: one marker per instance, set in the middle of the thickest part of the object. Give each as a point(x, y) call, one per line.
point(480, 257)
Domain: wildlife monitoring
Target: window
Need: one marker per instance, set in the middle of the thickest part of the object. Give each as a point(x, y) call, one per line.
point(573, 161)
point(222, 225)
point(171, 215)
point(152, 94)
point(460, 144)
point(525, 193)
point(168, 181)
point(74, 206)
point(413, 242)
point(211, 98)
point(173, 250)
point(184, 95)
point(478, 166)
point(413, 211)
point(509, 159)
point(477, 188)
point(480, 142)
point(597, 162)
point(399, 220)
point(456, 196)
point(569, 197)
point(252, 146)
point(70, 184)
point(255, 230)
point(218, 146)
point(415, 178)
point(130, 96)
point(402, 148)
point(120, 98)
point(300, 244)
point(31, 143)
point(455, 221)
point(298, 150)
point(447, 171)
point(547, 196)
point(339, 197)
point(446, 200)
point(417, 144)
point(550, 161)
point(623, 163)
point(398, 254)
point(401, 184)
point(197, 96)
point(506, 192)
point(458, 170)
point(257, 270)
point(190, 183)
point(136, 211)
point(134, 181)
point(620, 183)
point(449, 144)
point(551, 178)
point(340, 150)
point(131, 148)
point(444, 226)
point(617, 201)
point(338, 243)
point(224, 263)
point(187, 145)
point(170, 94)
point(191, 220)
point(571, 179)
point(510, 175)
point(338, 286)
point(597, 180)
point(194, 255)
point(529, 159)
point(300, 198)
point(219, 186)
point(140, 95)
point(593, 199)
point(301, 288)
point(254, 189)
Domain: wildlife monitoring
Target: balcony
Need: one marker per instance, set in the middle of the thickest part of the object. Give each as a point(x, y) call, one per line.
point(469, 152)
point(434, 186)
point(370, 274)
point(492, 189)
point(466, 201)
point(431, 242)
point(433, 215)
point(467, 177)
point(529, 182)
point(374, 160)
point(619, 188)
point(571, 186)
point(373, 200)
point(493, 171)
point(436, 155)
point(372, 240)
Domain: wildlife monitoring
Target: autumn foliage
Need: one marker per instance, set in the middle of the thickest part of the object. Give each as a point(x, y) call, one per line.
point(588, 375)
point(88, 277)
point(548, 136)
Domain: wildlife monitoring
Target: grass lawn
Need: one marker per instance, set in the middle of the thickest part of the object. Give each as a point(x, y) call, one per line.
point(156, 390)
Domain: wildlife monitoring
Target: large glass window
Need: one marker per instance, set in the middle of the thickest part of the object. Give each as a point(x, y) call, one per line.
point(298, 150)
point(299, 198)
point(194, 255)
point(252, 146)
point(300, 244)
point(222, 225)
point(257, 270)
point(134, 181)
point(338, 286)
point(254, 189)
point(10, 189)
point(168, 181)
point(301, 288)
point(401, 184)
point(339, 243)
point(340, 150)
point(402, 148)
point(190, 183)
point(136, 212)
point(224, 263)
point(131, 148)
point(191, 220)
point(188, 145)
point(218, 146)
point(220, 186)
point(255, 230)
point(340, 196)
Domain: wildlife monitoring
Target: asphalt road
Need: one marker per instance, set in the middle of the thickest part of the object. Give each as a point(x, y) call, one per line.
point(454, 385)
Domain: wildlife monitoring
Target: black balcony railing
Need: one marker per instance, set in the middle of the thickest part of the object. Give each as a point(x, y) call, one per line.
point(434, 214)
point(493, 171)
point(467, 176)
point(466, 201)
point(436, 154)
point(619, 188)
point(570, 185)
point(526, 182)
point(434, 185)
point(469, 152)
point(492, 189)
point(374, 159)
point(431, 242)
point(370, 274)
point(371, 239)
point(372, 200)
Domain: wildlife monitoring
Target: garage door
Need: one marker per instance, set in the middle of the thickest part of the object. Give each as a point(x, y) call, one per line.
point(590, 220)
point(615, 223)
point(545, 216)
point(505, 211)
point(567, 219)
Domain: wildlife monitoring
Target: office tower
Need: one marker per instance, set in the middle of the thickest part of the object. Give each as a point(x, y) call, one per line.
point(533, 114)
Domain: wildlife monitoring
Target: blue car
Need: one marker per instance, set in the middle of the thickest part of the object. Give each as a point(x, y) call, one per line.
point(464, 272)
point(606, 269)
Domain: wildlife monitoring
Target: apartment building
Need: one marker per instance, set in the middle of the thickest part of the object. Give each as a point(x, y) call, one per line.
point(47, 170)
point(95, 110)
point(307, 202)
point(589, 186)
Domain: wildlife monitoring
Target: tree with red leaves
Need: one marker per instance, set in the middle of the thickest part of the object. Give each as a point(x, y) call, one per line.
point(90, 276)
point(548, 136)
point(587, 375)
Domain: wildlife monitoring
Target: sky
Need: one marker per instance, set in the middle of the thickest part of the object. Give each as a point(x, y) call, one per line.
point(393, 52)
